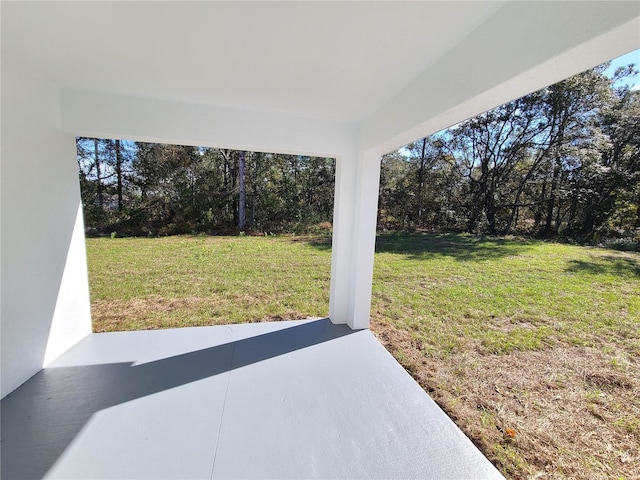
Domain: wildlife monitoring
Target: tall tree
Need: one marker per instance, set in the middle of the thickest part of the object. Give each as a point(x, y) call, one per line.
point(99, 185)
point(421, 176)
point(242, 197)
point(119, 162)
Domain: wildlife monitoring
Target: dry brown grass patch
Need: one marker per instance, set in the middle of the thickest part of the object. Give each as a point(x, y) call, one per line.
point(563, 412)
point(156, 312)
point(115, 315)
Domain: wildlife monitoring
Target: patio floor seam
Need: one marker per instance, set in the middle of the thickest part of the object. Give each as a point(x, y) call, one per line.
point(224, 404)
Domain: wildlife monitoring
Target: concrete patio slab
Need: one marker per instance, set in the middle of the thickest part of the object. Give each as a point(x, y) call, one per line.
point(301, 399)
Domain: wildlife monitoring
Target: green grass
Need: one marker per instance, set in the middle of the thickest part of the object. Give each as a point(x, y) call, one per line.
point(504, 295)
point(142, 283)
point(449, 291)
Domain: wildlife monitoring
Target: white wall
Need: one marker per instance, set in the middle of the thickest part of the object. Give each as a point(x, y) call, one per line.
point(45, 296)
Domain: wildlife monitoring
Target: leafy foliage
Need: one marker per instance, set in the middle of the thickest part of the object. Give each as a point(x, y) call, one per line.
point(561, 161)
point(172, 189)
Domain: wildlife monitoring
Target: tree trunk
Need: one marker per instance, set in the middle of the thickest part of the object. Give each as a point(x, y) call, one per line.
point(253, 214)
point(559, 215)
point(589, 221)
point(490, 209)
point(475, 209)
point(538, 212)
point(243, 193)
point(572, 216)
point(119, 174)
point(98, 174)
point(421, 183)
point(552, 198)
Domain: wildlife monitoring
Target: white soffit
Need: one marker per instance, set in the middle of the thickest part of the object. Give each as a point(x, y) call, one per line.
point(328, 60)
point(523, 47)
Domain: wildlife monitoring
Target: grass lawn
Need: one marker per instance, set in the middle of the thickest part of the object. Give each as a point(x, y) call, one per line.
point(184, 281)
point(532, 348)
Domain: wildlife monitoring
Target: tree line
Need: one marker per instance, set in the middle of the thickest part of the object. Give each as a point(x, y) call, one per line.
point(562, 161)
point(135, 188)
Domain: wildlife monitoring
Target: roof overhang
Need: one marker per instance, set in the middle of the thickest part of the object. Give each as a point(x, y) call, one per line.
point(384, 73)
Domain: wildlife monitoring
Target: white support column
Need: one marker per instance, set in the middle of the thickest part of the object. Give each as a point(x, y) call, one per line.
point(354, 236)
point(343, 215)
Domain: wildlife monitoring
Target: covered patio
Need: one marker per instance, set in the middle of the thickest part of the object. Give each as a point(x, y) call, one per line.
point(347, 80)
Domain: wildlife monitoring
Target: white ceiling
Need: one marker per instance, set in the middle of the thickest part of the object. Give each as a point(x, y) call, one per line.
point(366, 63)
point(330, 60)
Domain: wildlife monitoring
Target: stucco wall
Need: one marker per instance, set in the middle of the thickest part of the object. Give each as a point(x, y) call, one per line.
point(45, 296)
